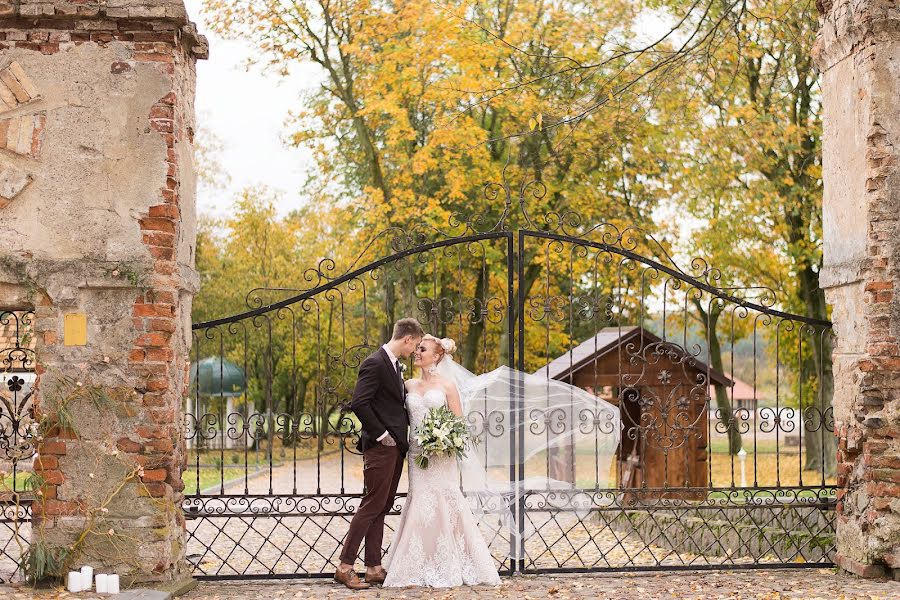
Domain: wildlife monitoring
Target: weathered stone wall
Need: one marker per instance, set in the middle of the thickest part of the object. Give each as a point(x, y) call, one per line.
point(858, 52)
point(97, 221)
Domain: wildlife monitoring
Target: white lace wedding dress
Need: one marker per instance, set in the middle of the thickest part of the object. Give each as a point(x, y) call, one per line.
point(437, 543)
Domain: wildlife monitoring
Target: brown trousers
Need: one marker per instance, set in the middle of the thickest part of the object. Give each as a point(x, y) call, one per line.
point(382, 466)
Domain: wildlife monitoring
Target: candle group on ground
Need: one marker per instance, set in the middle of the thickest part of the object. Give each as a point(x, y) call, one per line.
point(80, 581)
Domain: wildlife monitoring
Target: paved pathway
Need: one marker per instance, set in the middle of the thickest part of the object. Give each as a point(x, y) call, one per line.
point(309, 543)
point(787, 584)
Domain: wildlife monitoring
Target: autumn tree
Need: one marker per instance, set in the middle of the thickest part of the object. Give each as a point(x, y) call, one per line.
point(403, 131)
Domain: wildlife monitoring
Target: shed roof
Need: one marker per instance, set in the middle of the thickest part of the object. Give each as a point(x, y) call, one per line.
point(608, 340)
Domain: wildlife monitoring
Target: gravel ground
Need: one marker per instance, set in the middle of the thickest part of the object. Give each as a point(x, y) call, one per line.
point(784, 584)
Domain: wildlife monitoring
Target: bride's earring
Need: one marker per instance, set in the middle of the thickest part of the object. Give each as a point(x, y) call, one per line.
point(432, 369)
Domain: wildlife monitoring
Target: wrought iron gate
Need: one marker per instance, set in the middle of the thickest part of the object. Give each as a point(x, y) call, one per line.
point(697, 366)
point(273, 477)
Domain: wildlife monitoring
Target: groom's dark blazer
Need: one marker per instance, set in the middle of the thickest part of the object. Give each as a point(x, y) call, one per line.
point(379, 402)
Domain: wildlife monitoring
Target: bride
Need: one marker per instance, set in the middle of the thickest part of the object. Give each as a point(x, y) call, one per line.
point(438, 543)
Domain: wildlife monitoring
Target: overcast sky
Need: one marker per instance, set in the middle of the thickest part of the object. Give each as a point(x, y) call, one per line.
point(247, 111)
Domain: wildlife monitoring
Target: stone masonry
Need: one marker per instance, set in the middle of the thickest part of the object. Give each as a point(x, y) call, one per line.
point(858, 53)
point(97, 236)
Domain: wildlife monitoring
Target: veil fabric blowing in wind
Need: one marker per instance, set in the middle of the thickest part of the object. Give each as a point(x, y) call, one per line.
point(553, 424)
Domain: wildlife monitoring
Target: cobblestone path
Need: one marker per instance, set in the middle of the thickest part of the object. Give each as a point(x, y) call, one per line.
point(784, 584)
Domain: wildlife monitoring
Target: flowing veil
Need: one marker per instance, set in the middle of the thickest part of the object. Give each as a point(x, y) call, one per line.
point(555, 425)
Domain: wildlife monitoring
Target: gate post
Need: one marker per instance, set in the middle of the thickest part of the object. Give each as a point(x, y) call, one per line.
point(98, 236)
point(858, 53)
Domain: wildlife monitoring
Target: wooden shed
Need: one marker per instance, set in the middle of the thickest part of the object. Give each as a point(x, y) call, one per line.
point(662, 394)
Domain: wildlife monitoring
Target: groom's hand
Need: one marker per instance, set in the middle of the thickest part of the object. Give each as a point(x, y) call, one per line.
point(388, 440)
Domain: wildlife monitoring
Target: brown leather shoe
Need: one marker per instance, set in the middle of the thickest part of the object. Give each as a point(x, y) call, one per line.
point(350, 579)
point(376, 579)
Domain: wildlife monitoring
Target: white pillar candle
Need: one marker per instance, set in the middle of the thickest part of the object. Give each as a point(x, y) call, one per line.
point(112, 584)
point(100, 583)
point(73, 581)
point(88, 579)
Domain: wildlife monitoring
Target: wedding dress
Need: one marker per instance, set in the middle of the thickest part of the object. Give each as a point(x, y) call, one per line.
point(438, 543)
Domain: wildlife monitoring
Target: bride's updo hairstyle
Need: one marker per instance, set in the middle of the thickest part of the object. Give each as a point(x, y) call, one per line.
point(444, 346)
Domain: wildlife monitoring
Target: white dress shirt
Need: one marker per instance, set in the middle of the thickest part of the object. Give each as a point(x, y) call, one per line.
point(394, 361)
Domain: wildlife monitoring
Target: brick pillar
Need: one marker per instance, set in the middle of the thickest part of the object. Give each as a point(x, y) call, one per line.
point(858, 52)
point(98, 236)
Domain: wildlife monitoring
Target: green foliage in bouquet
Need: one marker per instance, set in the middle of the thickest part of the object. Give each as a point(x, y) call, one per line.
point(442, 433)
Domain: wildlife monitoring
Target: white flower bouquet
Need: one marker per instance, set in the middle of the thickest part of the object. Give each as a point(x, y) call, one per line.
point(442, 433)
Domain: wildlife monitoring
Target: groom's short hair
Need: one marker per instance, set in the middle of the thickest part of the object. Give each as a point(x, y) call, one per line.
point(407, 326)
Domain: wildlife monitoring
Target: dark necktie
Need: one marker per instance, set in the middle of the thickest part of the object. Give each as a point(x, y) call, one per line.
point(400, 377)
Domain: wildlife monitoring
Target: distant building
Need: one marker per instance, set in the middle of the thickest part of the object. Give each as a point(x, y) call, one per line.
point(662, 394)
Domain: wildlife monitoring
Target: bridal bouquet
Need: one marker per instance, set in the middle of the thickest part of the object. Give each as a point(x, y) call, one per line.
point(442, 433)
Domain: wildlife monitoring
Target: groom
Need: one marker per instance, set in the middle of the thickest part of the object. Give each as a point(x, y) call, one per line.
point(379, 403)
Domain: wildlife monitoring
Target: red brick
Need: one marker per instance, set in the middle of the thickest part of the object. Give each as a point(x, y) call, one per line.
point(155, 475)
point(65, 433)
point(857, 568)
point(157, 385)
point(159, 355)
point(52, 447)
point(164, 210)
point(884, 461)
point(153, 36)
point(157, 224)
point(162, 125)
point(161, 325)
point(119, 67)
point(162, 253)
point(153, 340)
point(882, 489)
point(53, 476)
point(155, 489)
point(168, 98)
point(162, 446)
point(136, 355)
point(153, 310)
point(875, 286)
point(57, 507)
point(162, 297)
point(162, 111)
point(151, 399)
point(884, 474)
point(151, 433)
point(130, 446)
point(883, 349)
point(46, 462)
point(170, 196)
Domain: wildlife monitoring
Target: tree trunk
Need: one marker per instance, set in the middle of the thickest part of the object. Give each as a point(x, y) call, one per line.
point(723, 403)
point(820, 444)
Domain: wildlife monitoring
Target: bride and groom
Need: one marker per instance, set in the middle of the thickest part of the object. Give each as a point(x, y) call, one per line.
point(437, 543)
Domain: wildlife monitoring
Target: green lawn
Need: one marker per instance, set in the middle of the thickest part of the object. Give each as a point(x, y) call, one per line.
point(6, 485)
